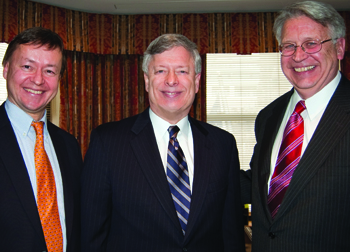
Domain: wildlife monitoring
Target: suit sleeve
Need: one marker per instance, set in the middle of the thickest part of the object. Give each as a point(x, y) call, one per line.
point(246, 176)
point(96, 197)
point(233, 212)
point(246, 186)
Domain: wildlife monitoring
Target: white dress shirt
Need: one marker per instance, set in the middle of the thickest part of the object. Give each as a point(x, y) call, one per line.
point(185, 138)
point(26, 136)
point(315, 107)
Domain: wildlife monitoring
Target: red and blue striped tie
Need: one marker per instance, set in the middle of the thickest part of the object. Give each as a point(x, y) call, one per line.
point(178, 179)
point(288, 158)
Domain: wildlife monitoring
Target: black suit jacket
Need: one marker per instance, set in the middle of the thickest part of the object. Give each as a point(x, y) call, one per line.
point(314, 214)
point(126, 201)
point(20, 227)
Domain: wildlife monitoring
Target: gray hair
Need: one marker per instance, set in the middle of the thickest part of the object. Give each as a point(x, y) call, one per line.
point(166, 42)
point(321, 13)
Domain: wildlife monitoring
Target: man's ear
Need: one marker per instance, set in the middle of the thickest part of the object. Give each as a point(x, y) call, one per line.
point(197, 81)
point(340, 47)
point(145, 76)
point(6, 68)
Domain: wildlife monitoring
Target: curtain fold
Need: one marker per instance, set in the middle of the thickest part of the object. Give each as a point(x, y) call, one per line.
point(97, 89)
point(104, 78)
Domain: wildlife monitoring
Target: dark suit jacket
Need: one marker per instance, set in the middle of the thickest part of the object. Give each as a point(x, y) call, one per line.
point(314, 214)
point(126, 201)
point(20, 227)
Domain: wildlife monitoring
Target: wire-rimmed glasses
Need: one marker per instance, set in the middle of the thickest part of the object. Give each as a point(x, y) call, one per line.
point(309, 46)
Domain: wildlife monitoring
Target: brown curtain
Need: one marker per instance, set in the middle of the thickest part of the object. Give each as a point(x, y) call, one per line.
point(104, 80)
point(100, 88)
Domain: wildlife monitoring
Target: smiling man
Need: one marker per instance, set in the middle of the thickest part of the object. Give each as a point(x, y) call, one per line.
point(162, 181)
point(300, 169)
point(39, 163)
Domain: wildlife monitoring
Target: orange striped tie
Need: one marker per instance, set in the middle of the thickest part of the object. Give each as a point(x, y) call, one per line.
point(46, 194)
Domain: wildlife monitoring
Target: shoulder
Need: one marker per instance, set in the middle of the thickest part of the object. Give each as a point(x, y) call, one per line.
point(66, 145)
point(214, 133)
point(280, 102)
point(116, 128)
point(56, 131)
point(207, 127)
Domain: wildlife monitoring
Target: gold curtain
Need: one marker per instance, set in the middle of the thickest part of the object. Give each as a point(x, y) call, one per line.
point(104, 80)
point(131, 34)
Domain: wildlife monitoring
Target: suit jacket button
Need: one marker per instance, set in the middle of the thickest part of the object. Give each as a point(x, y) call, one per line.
point(272, 235)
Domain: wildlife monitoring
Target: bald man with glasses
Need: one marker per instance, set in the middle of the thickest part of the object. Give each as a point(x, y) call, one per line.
point(299, 182)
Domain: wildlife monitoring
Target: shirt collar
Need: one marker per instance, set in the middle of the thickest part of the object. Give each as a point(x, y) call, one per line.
point(20, 119)
point(318, 101)
point(161, 126)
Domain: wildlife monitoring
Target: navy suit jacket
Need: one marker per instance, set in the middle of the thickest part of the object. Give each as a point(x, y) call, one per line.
point(20, 227)
point(126, 201)
point(314, 213)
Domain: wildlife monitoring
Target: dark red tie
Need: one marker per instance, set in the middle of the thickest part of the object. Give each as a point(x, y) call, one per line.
point(288, 158)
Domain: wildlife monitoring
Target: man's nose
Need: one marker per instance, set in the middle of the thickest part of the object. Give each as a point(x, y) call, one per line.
point(38, 78)
point(299, 54)
point(172, 79)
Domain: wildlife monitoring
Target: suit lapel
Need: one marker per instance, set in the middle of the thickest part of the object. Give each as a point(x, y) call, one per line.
point(146, 151)
point(334, 123)
point(11, 156)
point(273, 122)
point(61, 153)
point(202, 166)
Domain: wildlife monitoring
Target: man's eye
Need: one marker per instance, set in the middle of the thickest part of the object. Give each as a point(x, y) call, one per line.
point(288, 47)
point(26, 67)
point(310, 44)
point(50, 72)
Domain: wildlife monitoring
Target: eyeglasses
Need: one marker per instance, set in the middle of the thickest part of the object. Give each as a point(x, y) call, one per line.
point(309, 46)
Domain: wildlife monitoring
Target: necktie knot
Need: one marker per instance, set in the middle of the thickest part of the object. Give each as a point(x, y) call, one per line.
point(173, 130)
point(300, 107)
point(38, 127)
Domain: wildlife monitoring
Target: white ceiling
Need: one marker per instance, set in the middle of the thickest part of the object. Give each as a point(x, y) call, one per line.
point(124, 7)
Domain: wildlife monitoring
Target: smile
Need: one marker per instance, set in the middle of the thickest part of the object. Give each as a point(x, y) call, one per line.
point(33, 91)
point(171, 93)
point(303, 69)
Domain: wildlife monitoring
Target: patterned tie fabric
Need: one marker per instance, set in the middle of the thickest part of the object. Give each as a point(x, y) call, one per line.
point(178, 179)
point(288, 158)
point(46, 194)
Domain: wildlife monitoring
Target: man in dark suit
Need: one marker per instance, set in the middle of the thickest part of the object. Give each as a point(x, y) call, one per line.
point(302, 202)
point(33, 65)
point(139, 196)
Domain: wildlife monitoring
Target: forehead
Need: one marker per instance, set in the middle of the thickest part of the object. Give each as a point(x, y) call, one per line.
point(175, 55)
point(302, 28)
point(37, 52)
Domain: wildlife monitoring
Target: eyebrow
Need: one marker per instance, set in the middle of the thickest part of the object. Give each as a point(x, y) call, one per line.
point(33, 61)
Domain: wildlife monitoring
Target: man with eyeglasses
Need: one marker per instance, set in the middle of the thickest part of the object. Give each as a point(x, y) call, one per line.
point(299, 182)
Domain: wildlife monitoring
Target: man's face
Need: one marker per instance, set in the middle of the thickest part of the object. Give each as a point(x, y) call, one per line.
point(172, 84)
point(32, 76)
point(309, 73)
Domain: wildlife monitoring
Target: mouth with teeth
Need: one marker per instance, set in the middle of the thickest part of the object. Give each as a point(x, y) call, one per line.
point(171, 94)
point(33, 91)
point(303, 69)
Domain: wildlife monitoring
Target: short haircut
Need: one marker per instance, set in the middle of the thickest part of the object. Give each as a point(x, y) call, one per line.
point(37, 36)
point(321, 13)
point(166, 42)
